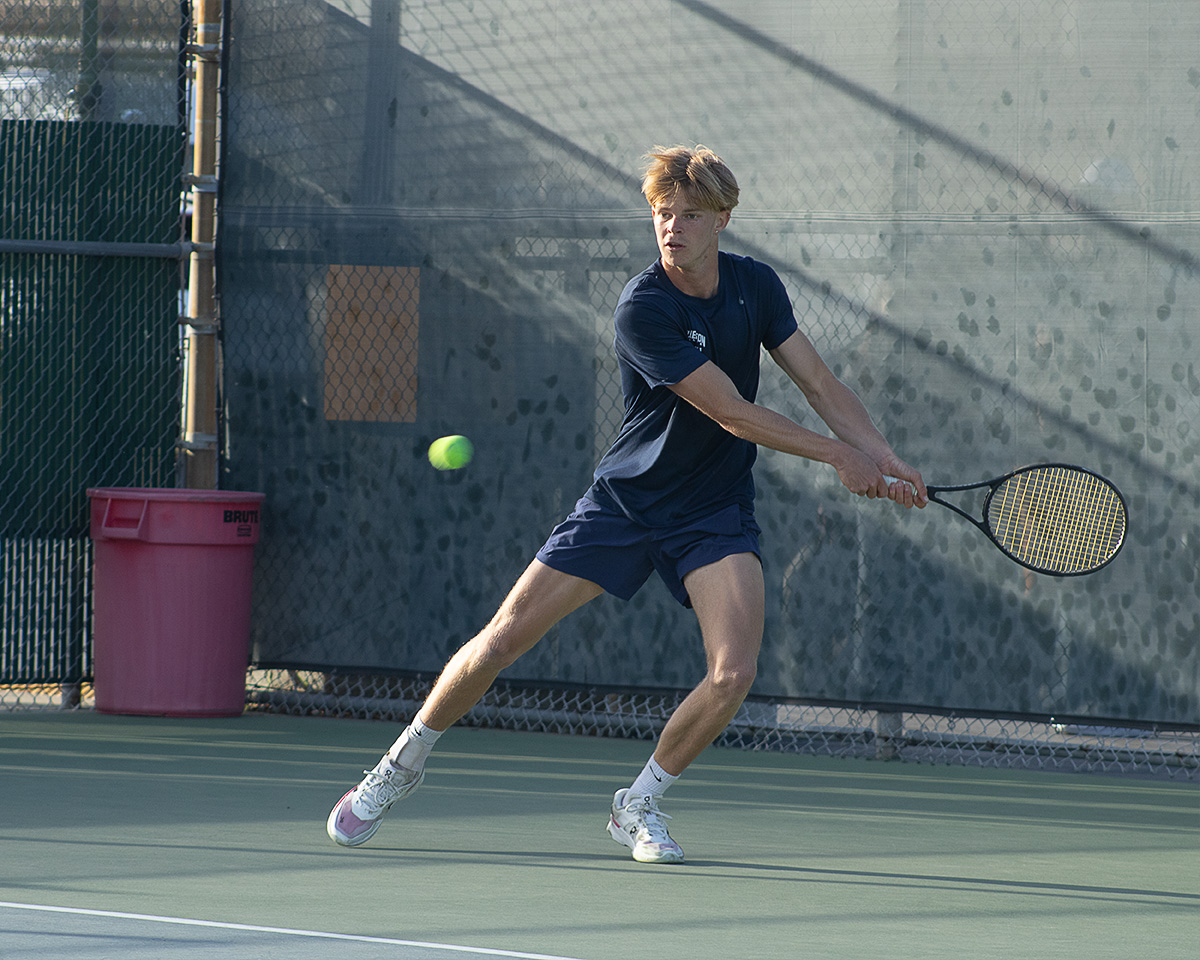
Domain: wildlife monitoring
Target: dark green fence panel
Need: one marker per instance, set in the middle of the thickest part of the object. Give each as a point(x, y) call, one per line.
point(89, 391)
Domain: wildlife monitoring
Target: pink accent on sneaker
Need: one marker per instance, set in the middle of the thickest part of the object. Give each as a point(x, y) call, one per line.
point(345, 828)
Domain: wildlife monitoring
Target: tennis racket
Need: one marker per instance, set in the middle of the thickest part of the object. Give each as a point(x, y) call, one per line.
point(1053, 518)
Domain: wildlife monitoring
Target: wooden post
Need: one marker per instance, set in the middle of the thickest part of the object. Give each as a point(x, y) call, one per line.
point(198, 446)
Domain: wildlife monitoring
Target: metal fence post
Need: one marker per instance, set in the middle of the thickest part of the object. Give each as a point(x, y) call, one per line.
point(889, 734)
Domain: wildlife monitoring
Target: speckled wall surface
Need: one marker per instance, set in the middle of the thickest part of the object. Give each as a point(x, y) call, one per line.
point(986, 215)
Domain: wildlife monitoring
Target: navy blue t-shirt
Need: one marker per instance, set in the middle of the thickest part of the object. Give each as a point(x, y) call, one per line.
point(671, 463)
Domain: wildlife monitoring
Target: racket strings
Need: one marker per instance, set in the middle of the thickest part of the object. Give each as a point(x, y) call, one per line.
point(1057, 519)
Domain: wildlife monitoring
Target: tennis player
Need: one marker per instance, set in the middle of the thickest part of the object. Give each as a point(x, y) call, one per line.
point(674, 494)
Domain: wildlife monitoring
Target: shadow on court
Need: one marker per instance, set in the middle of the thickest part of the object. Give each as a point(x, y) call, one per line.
point(152, 837)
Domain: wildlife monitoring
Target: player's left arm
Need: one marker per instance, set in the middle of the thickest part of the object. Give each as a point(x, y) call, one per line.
point(711, 392)
point(844, 414)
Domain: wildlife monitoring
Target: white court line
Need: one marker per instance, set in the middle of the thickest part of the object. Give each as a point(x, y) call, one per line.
point(252, 928)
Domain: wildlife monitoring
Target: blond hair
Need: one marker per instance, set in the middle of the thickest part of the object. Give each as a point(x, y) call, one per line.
point(697, 171)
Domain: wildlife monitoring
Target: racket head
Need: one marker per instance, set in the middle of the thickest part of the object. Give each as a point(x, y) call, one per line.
point(1057, 519)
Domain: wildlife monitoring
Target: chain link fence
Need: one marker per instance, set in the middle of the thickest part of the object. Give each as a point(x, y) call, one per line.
point(91, 159)
point(985, 215)
point(962, 242)
point(763, 723)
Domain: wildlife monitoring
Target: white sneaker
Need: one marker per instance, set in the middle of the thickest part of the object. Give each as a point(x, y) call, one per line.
point(356, 817)
point(638, 824)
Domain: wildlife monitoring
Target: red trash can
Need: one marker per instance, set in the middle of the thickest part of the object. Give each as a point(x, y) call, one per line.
point(171, 599)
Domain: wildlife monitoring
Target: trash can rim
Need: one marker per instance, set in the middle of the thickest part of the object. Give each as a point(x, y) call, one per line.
point(187, 494)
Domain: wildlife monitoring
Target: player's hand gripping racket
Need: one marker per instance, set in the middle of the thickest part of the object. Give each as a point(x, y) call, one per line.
point(1050, 517)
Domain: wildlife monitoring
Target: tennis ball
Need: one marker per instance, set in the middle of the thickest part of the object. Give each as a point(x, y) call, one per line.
point(451, 453)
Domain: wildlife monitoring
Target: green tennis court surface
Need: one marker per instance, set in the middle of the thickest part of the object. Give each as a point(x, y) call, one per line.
point(136, 825)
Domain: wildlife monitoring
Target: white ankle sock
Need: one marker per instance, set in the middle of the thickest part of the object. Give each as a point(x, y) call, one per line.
point(652, 781)
point(412, 747)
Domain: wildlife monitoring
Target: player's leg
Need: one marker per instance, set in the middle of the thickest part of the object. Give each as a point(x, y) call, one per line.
point(728, 597)
point(539, 599)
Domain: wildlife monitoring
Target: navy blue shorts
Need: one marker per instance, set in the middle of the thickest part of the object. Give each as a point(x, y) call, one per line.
point(606, 547)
